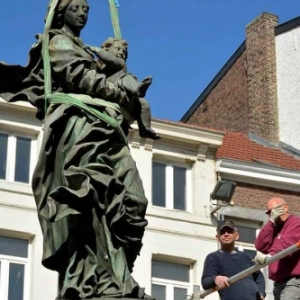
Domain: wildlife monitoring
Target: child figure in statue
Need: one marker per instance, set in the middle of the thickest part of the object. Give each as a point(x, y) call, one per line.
point(113, 54)
point(88, 192)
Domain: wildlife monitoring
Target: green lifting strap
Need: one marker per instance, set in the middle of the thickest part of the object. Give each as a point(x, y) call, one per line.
point(45, 50)
point(114, 14)
point(60, 98)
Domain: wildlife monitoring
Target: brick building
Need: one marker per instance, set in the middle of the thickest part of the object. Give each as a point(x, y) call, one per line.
point(261, 171)
point(255, 98)
point(258, 89)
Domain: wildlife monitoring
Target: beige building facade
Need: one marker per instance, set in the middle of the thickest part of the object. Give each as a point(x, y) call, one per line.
point(179, 172)
point(180, 232)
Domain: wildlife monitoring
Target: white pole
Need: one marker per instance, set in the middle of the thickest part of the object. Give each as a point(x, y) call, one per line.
point(252, 269)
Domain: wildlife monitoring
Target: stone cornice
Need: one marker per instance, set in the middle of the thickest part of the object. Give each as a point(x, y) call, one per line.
point(182, 134)
point(17, 107)
point(259, 174)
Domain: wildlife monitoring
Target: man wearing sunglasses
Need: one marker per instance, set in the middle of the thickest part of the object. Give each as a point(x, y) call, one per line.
point(226, 262)
point(281, 231)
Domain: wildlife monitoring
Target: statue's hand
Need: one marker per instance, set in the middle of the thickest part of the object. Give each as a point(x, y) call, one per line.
point(147, 80)
point(93, 48)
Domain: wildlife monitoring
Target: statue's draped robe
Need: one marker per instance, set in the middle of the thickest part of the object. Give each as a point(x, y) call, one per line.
point(89, 195)
point(25, 83)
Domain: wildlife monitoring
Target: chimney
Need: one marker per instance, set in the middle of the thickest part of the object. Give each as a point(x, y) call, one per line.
point(262, 82)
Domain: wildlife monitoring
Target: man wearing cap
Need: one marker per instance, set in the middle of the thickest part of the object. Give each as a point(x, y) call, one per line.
point(280, 232)
point(226, 262)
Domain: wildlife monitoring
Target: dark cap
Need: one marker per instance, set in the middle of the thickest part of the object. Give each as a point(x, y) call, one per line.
point(223, 224)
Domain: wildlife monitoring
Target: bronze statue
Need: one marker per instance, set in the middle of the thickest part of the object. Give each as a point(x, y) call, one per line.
point(113, 54)
point(89, 195)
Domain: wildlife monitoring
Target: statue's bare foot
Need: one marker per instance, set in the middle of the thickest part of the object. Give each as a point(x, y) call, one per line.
point(148, 133)
point(144, 85)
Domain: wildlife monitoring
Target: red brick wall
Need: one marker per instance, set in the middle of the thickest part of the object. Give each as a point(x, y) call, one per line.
point(226, 106)
point(252, 196)
point(262, 80)
point(245, 99)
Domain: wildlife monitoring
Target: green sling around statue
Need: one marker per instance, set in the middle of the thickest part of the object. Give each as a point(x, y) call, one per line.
point(89, 196)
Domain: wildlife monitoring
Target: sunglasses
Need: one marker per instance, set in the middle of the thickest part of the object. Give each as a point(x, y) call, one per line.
point(226, 230)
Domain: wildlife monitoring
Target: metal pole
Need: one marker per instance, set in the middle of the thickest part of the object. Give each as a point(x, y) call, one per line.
point(253, 269)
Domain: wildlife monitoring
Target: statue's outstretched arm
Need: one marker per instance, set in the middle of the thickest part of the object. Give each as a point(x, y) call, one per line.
point(109, 59)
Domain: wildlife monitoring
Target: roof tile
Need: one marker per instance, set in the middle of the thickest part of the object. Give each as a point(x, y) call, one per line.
point(239, 146)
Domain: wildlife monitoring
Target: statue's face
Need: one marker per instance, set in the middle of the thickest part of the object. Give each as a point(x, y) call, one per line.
point(118, 49)
point(76, 14)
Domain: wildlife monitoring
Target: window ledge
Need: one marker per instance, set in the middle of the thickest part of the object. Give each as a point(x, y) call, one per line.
point(178, 215)
point(15, 187)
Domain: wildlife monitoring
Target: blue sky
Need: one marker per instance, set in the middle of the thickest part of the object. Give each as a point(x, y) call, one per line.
point(181, 43)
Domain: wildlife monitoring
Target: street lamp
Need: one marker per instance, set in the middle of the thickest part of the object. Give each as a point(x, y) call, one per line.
point(222, 193)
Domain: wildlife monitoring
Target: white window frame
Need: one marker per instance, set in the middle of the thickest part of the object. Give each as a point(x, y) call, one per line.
point(169, 196)
point(171, 284)
point(4, 273)
point(11, 155)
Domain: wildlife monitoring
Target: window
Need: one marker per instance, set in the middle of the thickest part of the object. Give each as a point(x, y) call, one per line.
point(13, 268)
point(15, 157)
point(170, 281)
point(247, 234)
point(170, 185)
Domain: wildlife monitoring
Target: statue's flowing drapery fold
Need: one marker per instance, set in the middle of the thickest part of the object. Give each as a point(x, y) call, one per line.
point(89, 195)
